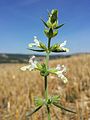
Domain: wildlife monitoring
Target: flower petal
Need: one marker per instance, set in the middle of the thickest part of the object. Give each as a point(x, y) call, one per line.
point(64, 78)
point(24, 68)
point(31, 45)
point(63, 44)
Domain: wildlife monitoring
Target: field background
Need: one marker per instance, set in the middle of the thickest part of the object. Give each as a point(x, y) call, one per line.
point(18, 89)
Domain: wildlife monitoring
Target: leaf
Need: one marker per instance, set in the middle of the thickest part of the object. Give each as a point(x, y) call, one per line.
point(44, 23)
point(36, 50)
point(58, 50)
point(59, 26)
point(28, 114)
point(62, 107)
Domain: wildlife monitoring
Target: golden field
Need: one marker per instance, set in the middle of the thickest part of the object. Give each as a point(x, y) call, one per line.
point(18, 89)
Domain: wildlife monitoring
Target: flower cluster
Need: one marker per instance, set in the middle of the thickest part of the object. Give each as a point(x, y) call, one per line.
point(53, 48)
point(33, 64)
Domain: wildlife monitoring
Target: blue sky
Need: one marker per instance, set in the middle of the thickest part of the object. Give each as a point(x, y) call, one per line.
point(20, 21)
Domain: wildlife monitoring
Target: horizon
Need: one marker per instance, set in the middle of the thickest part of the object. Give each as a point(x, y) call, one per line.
point(20, 21)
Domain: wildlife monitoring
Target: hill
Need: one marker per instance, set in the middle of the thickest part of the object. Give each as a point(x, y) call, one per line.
point(23, 58)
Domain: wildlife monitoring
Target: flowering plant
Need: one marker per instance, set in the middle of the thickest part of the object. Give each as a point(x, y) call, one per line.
point(51, 30)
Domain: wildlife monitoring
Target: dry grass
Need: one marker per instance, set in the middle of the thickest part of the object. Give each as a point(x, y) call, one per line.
point(17, 90)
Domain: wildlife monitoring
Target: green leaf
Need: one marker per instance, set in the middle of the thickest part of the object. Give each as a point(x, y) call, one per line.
point(59, 26)
point(44, 23)
point(60, 106)
point(36, 50)
point(28, 114)
point(58, 50)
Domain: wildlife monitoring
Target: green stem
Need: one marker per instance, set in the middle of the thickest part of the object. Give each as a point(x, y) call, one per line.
point(46, 88)
point(49, 40)
point(47, 60)
point(48, 109)
point(46, 82)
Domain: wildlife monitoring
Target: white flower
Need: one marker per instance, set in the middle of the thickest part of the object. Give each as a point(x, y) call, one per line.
point(59, 72)
point(62, 46)
point(36, 43)
point(31, 66)
point(58, 67)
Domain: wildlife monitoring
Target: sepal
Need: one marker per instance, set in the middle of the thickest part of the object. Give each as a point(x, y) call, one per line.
point(44, 71)
point(39, 101)
point(55, 99)
point(43, 46)
point(49, 33)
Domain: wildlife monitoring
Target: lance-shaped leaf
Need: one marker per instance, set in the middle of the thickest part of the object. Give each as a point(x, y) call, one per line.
point(28, 114)
point(59, 26)
point(57, 51)
point(44, 23)
point(62, 107)
point(36, 50)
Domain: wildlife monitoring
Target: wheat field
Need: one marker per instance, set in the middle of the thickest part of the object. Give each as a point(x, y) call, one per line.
point(18, 90)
